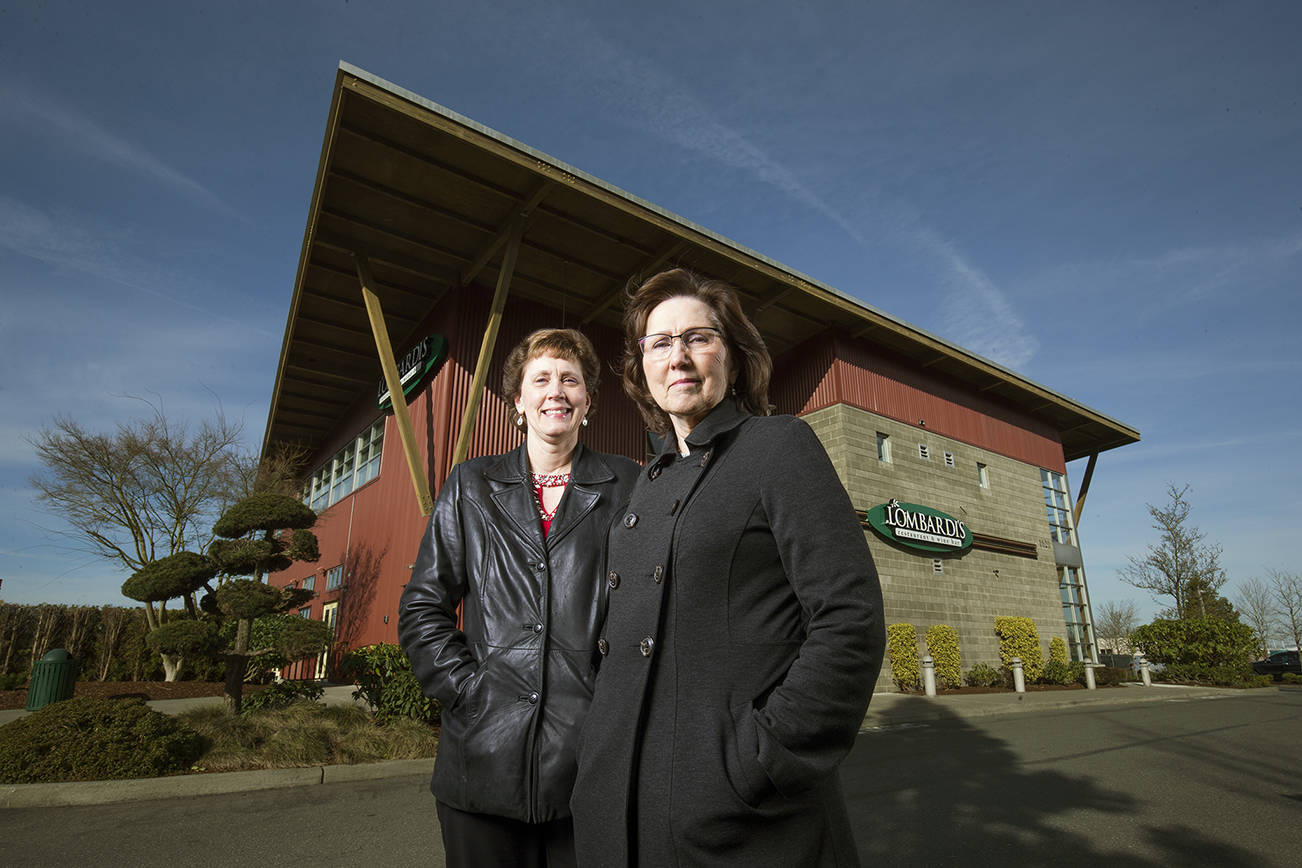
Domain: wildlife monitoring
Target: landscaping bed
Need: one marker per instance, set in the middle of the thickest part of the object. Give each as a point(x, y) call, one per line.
point(147, 690)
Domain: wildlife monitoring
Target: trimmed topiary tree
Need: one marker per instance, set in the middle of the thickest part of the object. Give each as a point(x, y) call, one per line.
point(178, 575)
point(264, 532)
point(1018, 637)
point(942, 645)
point(902, 645)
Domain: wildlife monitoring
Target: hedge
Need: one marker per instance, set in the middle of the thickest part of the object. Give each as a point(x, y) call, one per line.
point(902, 646)
point(1018, 637)
point(942, 645)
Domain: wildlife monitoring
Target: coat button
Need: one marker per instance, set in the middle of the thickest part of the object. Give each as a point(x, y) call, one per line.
point(540, 566)
point(533, 698)
point(659, 575)
point(612, 578)
point(655, 471)
point(646, 646)
point(537, 628)
point(705, 457)
point(603, 646)
point(630, 519)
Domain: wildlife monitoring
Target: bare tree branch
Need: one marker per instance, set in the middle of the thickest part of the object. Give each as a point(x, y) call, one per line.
point(1181, 566)
point(1256, 603)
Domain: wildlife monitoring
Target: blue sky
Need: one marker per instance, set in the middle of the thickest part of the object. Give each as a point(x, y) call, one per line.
point(1105, 197)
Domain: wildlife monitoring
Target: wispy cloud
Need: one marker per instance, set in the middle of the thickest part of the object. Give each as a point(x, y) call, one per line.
point(68, 241)
point(978, 314)
point(1155, 284)
point(30, 108)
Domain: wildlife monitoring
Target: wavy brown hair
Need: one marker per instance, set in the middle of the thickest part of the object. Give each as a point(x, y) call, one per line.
point(748, 358)
point(564, 344)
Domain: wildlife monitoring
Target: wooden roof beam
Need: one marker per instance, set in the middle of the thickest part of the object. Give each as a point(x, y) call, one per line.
point(649, 267)
point(523, 209)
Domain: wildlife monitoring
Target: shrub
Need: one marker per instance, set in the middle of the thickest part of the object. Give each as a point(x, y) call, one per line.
point(984, 675)
point(1108, 676)
point(942, 645)
point(18, 680)
point(1075, 673)
point(1058, 650)
point(385, 680)
point(1200, 642)
point(1056, 672)
point(304, 734)
point(902, 645)
point(1216, 676)
point(1291, 678)
point(85, 739)
point(1018, 637)
point(282, 695)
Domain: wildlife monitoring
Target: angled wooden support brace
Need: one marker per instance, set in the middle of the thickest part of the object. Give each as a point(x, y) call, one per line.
point(1084, 489)
point(490, 341)
point(394, 382)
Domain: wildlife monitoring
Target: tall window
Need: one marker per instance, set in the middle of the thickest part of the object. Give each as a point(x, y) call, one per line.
point(883, 447)
point(1075, 606)
point(983, 475)
point(309, 583)
point(1057, 505)
point(334, 577)
point(350, 468)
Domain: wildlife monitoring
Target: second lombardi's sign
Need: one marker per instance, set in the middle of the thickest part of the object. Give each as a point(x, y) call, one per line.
point(919, 527)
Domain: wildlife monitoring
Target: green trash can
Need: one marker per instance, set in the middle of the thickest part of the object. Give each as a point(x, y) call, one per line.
point(54, 678)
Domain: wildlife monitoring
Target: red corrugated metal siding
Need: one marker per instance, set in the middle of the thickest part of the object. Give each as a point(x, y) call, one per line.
point(867, 378)
point(805, 379)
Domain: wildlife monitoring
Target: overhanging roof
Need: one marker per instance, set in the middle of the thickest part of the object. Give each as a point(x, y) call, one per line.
point(428, 196)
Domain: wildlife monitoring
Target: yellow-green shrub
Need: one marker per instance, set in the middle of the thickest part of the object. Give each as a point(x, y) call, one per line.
point(902, 645)
point(1018, 637)
point(1058, 651)
point(942, 645)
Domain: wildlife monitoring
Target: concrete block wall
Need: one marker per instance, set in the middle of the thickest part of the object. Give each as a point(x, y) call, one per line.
point(975, 586)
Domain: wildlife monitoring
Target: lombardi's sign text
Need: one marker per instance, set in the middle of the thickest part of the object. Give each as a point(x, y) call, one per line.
point(412, 368)
point(919, 527)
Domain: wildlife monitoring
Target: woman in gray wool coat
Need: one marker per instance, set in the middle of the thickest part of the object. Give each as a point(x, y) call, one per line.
point(517, 540)
point(744, 629)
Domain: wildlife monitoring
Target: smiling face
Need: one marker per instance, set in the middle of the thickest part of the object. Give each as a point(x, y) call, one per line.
point(553, 399)
point(687, 385)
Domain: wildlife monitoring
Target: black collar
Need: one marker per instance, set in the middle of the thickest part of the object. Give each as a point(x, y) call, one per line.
point(725, 416)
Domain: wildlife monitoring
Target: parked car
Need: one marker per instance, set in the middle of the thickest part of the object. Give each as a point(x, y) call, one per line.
point(1278, 663)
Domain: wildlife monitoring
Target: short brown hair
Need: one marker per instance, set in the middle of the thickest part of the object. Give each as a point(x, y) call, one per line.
point(563, 343)
point(748, 356)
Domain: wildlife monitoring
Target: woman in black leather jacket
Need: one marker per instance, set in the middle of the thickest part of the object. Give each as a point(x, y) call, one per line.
point(518, 540)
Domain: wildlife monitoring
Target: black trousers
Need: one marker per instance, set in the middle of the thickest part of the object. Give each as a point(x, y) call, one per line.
point(488, 841)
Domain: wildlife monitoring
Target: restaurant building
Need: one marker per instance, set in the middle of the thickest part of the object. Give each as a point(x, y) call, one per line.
point(433, 244)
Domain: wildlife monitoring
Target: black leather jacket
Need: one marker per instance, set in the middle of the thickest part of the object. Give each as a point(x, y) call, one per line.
point(516, 680)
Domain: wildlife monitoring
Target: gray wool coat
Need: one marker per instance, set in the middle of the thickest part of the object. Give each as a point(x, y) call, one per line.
point(743, 637)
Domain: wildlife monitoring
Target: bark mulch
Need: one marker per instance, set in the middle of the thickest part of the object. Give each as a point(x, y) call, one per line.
point(147, 690)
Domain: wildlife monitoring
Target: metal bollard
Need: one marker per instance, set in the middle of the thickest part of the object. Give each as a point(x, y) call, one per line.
point(1019, 680)
point(929, 675)
point(1143, 672)
point(1089, 677)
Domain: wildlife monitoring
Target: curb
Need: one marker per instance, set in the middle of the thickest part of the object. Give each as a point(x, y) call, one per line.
point(72, 793)
point(909, 709)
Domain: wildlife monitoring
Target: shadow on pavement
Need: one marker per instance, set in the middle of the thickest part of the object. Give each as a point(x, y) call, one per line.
point(947, 793)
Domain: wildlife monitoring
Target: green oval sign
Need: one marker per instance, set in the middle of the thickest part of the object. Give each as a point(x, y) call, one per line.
point(919, 527)
point(412, 368)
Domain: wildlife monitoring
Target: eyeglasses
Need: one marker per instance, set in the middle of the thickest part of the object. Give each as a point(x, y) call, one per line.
point(657, 347)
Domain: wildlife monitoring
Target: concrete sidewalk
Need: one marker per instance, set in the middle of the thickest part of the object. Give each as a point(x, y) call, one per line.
point(887, 710)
